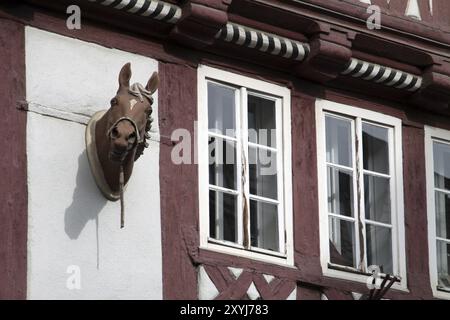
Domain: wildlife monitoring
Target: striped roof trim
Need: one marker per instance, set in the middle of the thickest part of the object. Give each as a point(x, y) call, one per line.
point(262, 41)
point(147, 8)
point(383, 75)
point(269, 43)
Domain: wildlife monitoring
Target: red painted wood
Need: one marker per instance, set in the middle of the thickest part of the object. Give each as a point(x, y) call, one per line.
point(217, 278)
point(178, 183)
point(304, 179)
point(13, 184)
point(304, 293)
point(392, 16)
point(263, 287)
point(416, 211)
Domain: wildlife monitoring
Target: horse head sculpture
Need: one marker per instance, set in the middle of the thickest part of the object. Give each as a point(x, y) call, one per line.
point(116, 138)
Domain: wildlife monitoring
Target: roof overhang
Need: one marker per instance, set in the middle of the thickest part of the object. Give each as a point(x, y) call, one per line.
point(297, 37)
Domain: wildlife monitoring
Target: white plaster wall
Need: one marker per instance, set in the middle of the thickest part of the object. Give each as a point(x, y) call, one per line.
point(70, 223)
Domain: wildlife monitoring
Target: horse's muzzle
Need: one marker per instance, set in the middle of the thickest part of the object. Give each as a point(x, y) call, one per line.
point(117, 156)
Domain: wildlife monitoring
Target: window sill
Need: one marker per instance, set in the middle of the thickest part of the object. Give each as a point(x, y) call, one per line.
point(441, 294)
point(356, 276)
point(285, 261)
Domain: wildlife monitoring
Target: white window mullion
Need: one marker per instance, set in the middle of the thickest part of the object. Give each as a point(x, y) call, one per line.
point(447, 241)
point(221, 136)
point(223, 190)
point(359, 199)
point(220, 231)
point(265, 200)
point(431, 208)
point(239, 155)
point(341, 217)
point(394, 201)
point(355, 191)
point(203, 159)
point(245, 165)
point(280, 185)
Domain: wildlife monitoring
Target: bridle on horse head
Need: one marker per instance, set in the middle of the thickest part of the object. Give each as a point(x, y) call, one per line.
point(139, 91)
point(133, 123)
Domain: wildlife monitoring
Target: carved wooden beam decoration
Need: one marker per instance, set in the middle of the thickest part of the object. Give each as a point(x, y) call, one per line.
point(263, 42)
point(434, 93)
point(198, 25)
point(376, 73)
point(326, 61)
point(151, 9)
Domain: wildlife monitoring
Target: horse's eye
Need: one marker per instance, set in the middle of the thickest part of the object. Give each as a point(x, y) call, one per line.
point(113, 101)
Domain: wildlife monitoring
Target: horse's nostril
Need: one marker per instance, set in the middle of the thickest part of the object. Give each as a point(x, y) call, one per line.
point(114, 133)
point(132, 137)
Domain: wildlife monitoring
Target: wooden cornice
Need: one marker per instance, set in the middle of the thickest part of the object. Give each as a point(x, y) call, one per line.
point(299, 43)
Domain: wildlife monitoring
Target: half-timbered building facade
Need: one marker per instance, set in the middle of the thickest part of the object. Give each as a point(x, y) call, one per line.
point(296, 144)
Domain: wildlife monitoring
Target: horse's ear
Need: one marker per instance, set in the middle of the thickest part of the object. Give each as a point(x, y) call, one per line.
point(125, 76)
point(153, 82)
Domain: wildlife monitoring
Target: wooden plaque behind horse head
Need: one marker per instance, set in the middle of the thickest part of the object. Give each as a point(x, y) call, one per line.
point(116, 137)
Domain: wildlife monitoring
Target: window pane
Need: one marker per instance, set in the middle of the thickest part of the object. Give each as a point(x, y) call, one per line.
point(261, 121)
point(441, 165)
point(443, 261)
point(263, 173)
point(222, 216)
point(340, 192)
point(442, 215)
point(264, 225)
point(377, 199)
point(375, 148)
point(222, 163)
point(221, 109)
point(342, 242)
point(339, 142)
point(379, 248)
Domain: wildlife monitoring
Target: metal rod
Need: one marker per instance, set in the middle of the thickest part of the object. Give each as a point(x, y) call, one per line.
point(385, 290)
point(122, 205)
point(378, 293)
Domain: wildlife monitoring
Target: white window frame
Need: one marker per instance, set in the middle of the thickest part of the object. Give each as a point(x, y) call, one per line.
point(433, 134)
point(283, 114)
point(360, 115)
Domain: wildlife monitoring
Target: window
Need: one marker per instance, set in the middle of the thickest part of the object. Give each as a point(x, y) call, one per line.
point(244, 166)
point(360, 192)
point(437, 144)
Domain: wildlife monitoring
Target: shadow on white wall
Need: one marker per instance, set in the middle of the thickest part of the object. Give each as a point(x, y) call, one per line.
point(87, 201)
